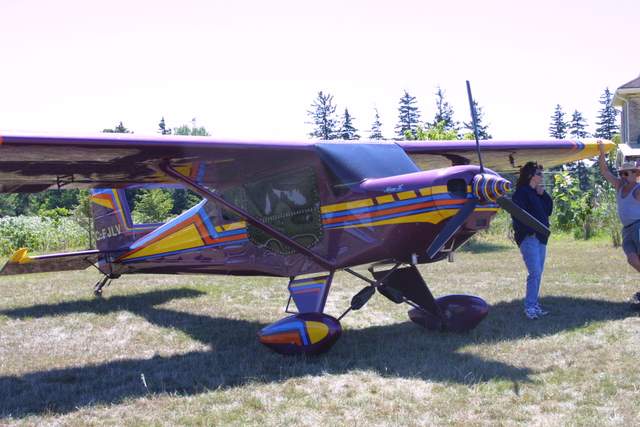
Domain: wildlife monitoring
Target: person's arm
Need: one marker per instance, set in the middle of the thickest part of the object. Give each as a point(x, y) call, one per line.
point(604, 170)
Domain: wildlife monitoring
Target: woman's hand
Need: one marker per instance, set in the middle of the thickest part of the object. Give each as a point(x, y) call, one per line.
point(601, 148)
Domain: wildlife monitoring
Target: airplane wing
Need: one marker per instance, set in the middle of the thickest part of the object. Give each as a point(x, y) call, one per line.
point(502, 156)
point(32, 163)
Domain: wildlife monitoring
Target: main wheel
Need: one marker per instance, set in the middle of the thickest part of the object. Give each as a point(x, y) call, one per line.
point(305, 333)
point(459, 313)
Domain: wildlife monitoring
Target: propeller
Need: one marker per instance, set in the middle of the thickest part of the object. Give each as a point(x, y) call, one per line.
point(485, 187)
point(474, 120)
point(523, 216)
point(452, 227)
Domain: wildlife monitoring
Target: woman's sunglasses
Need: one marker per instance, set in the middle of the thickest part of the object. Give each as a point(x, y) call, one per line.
point(625, 173)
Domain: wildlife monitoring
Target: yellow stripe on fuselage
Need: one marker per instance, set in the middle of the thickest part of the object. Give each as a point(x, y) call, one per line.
point(185, 238)
point(102, 202)
point(405, 195)
point(432, 217)
point(387, 198)
point(384, 199)
point(232, 226)
point(364, 203)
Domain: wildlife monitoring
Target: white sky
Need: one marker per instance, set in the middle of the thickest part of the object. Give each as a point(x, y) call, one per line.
point(249, 69)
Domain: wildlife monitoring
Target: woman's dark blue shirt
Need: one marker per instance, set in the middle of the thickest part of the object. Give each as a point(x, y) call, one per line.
point(539, 207)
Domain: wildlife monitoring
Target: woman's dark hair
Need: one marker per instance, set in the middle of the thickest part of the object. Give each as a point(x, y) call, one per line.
point(527, 172)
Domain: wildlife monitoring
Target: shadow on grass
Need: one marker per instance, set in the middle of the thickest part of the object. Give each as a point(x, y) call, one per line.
point(236, 358)
point(481, 247)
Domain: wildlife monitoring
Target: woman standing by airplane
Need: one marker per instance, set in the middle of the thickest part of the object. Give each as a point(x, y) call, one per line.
point(628, 198)
point(531, 196)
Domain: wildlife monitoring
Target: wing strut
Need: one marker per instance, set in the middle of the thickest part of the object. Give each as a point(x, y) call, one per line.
point(216, 198)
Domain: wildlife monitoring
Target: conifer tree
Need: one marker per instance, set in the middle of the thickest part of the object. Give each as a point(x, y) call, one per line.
point(607, 117)
point(558, 126)
point(163, 128)
point(347, 130)
point(408, 116)
point(152, 206)
point(376, 128)
point(191, 130)
point(118, 129)
point(483, 129)
point(444, 113)
point(577, 126)
point(187, 130)
point(322, 113)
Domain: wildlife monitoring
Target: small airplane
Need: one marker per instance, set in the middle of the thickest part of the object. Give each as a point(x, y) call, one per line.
point(298, 210)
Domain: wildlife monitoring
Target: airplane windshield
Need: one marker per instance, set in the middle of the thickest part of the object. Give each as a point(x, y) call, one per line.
point(351, 163)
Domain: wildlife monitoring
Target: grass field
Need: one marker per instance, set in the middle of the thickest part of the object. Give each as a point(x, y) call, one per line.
point(166, 350)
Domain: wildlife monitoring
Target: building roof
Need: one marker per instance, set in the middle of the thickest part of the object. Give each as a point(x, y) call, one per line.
point(632, 84)
point(623, 92)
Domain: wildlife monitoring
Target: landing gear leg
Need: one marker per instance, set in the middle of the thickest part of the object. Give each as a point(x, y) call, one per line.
point(455, 313)
point(105, 281)
point(310, 331)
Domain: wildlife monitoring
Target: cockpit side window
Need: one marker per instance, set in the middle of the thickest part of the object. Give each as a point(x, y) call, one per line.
point(289, 202)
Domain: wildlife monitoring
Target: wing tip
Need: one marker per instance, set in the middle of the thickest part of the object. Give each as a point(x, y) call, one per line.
point(608, 144)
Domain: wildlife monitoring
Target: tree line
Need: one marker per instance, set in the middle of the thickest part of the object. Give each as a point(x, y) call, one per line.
point(585, 202)
point(328, 125)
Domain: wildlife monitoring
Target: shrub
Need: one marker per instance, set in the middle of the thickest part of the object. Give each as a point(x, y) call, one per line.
point(40, 234)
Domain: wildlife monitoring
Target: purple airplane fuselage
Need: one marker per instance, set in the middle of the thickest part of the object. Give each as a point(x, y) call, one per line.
point(350, 216)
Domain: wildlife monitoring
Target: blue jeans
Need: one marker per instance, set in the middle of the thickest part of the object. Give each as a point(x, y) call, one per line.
point(533, 253)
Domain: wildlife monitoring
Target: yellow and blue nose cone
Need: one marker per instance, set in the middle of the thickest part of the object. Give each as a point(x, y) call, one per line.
point(488, 187)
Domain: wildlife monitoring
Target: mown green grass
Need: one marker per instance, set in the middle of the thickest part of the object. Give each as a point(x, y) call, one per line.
point(68, 359)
